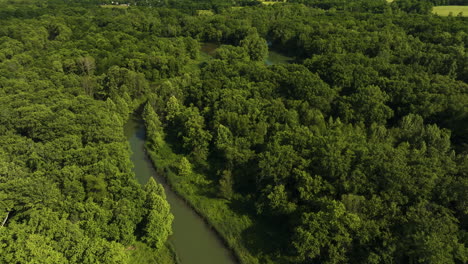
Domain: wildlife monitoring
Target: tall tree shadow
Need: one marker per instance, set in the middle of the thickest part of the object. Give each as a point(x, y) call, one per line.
point(268, 235)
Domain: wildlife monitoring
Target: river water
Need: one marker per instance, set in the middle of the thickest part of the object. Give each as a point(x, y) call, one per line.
point(193, 240)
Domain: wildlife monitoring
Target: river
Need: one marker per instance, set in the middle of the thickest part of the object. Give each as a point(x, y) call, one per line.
point(193, 240)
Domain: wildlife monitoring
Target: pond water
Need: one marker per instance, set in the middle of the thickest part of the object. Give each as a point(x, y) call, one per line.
point(275, 57)
point(194, 241)
point(209, 48)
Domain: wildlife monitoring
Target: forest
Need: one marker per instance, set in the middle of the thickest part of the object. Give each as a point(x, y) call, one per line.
point(354, 151)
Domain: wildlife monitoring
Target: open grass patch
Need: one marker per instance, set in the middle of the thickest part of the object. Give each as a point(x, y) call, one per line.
point(115, 6)
point(205, 12)
point(141, 253)
point(450, 10)
point(273, 2)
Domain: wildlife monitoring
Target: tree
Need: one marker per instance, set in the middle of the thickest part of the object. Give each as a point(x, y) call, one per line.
point(430, 236)
point(185, 168)
point(414, 6)
point(158, 220)
point(153, 187)
point(326, 236)
point(87, 65)
point(154, 130)
point(194, 136)
point(173, 109)
point(368, 106)
point(226, 184)
point(256, 46)
point(231, 54)
point(278, 200)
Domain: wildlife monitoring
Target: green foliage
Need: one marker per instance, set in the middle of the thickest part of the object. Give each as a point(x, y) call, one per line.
point(413, 6)
point(232, 54)
point(256, 46)
point(185, 168)
point(355, 152)
point(194, 136)
point(154, 130)
point(158, 220)
point(226, 184)
point(331, 230)
point(366, 105)
point(153, 187)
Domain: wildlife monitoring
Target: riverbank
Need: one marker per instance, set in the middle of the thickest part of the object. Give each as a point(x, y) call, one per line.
point(140, 253)
point(247, 236)
point(194, 242)
point(229, 225)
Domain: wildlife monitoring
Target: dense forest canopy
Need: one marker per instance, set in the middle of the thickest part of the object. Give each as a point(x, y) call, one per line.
point(357, 152)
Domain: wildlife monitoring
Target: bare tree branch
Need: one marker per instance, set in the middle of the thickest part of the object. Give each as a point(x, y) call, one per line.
point(6, 218)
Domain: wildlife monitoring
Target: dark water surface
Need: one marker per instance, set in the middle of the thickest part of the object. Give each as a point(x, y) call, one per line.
point(275, 57)
point(193, 240)
point(209, 48)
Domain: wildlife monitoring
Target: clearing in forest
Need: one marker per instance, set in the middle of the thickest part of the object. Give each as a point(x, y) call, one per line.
point(203, 12)
point(447, 10)
point(115, 6)
point(272, 2)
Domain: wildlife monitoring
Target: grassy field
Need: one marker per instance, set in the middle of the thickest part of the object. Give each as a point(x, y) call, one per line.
point(114, 6)
point(272, 2)
point(205, 12)
point(454, 10)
